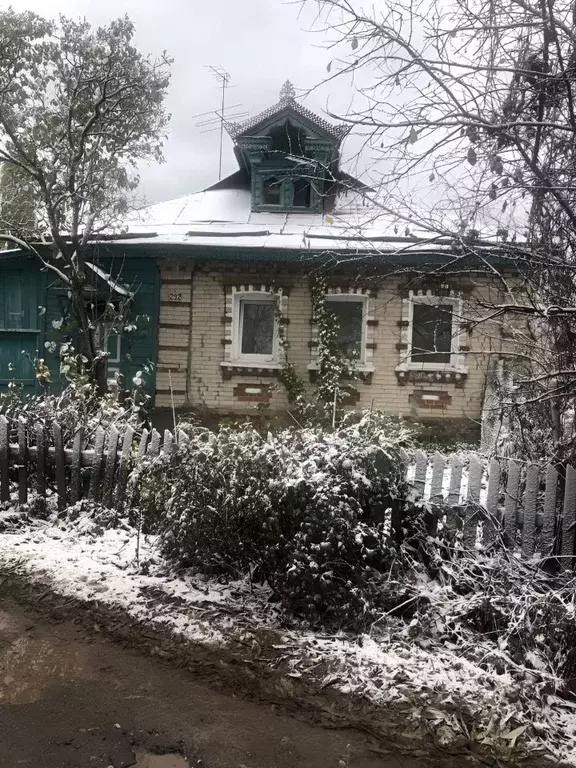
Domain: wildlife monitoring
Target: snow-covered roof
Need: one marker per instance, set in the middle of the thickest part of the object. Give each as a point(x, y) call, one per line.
point(224, 218)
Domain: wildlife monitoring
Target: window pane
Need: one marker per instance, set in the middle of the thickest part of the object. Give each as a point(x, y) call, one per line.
point(272, 191)
point(301, 193)
point(431, 333)
point(349, 317)
point(257, 328)
point(12, 310)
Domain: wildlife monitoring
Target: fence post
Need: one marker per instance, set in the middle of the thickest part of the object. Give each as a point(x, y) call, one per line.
point(470, 531)
point(492, 520)
point(438, 466)
point(94, 491)
point(76, 466)
point(154, 444)
point(530, 497)
point(124, 466)
point(550, 512)
point(4, 459)
point(22, 463)
point(143, 445)
point(169, 444)
point(420, 472)
point(568, 519)
point(511, 503)
point(60, 461)
point(113, 437)
point(40, 460)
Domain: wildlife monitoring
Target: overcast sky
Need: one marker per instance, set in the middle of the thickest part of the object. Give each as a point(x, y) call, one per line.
point(260, 42)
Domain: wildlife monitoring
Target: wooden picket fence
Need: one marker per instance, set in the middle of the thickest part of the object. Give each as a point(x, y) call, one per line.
point(37, 459)
point(529, 508)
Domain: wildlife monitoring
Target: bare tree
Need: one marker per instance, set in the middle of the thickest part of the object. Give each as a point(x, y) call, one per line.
point(79, 109)
point(468, 114)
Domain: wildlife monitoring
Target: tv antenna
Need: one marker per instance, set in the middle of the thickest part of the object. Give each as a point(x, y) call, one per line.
point(216, 118)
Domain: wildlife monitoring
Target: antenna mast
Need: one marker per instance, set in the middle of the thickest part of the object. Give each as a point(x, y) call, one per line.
point(219, 117)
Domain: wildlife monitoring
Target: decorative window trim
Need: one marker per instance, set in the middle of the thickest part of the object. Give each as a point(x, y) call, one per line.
point(286, 177)
point(233, 359)
point(364, 295)
point(456, 370)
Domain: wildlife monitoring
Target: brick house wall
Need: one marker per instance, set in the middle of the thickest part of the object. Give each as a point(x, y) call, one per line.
point(195, 331)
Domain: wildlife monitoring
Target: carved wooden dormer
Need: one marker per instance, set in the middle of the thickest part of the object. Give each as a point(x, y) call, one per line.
point(290, 154)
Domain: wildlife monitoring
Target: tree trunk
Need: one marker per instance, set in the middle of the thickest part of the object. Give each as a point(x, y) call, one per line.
point(96, 366)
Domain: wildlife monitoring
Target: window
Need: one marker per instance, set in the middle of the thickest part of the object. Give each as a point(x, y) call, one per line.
point(255, 339)
point(349, 313)
point(301, 197)
point(431, 338)
point(272, 191)
point(19, 292)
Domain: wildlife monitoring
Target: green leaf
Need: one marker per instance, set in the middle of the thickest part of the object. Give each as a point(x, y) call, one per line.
point(513, 735)
point(328, 220)
point(496, 165)
point(354, 43)
point(413, 138)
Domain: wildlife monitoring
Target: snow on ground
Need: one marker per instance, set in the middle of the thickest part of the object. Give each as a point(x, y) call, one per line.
point(88, 562)
point(434, 689)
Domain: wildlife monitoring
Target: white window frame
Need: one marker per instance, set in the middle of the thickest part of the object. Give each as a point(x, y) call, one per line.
point(366, 362)
point(116, 357)
point(456, 362)
point(239, 299)
point(357, 298)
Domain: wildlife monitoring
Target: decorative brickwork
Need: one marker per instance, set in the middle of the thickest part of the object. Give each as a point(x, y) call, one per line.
point(431, 399)
point(252, 393)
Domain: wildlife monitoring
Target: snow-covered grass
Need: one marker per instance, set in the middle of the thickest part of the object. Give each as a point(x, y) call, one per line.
point(411, 689)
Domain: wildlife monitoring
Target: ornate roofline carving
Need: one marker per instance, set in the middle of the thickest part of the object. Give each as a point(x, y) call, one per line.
point(287, 100)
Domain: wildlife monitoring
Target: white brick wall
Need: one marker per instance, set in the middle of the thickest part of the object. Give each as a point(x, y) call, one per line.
point(193, 329)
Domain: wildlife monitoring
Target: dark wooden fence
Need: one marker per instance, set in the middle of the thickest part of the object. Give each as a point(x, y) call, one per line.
point(36, 458)
point(529, 508)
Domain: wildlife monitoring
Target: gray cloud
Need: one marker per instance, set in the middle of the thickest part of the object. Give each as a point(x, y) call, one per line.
point(260, 42)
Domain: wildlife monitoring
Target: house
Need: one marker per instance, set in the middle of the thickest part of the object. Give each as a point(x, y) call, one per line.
point(227, 274)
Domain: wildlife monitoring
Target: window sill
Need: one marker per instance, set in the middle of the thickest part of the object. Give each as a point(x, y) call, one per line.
point(250, 364)
point(368, 368)
point(236, 368)
point(455, 375)
point(432, 368)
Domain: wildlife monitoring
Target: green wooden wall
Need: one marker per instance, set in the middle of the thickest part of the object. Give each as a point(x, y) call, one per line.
point(26, 328)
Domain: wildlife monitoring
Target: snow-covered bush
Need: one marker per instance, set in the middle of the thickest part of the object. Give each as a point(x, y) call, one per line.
point(306, 510)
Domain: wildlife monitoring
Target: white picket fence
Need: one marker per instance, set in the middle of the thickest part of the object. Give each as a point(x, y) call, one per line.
point(532, 506)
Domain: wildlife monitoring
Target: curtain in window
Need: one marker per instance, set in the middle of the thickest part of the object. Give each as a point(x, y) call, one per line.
point(348, 315)
point(431, 333)
point(257, 328)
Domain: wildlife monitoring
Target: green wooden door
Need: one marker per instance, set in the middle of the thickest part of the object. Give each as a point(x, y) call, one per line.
point(19, 326)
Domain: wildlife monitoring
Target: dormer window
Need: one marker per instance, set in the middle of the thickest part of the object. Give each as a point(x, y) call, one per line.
point(301, 193)
point(289, 155)
point(272, 191)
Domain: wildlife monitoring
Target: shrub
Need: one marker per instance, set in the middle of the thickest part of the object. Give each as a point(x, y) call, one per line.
point(76, 404)
point(306, 510)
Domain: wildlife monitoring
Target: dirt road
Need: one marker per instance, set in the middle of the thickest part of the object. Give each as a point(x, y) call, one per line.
point(72, 700)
